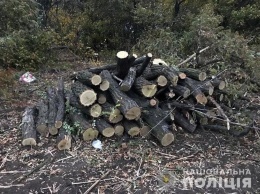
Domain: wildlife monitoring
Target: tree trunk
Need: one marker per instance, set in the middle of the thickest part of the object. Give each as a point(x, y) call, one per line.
point(28, 127)
point(127, 106)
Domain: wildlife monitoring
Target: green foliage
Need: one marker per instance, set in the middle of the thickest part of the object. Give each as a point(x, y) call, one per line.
point(23, 44)
point(69, 129)
point(25, 51)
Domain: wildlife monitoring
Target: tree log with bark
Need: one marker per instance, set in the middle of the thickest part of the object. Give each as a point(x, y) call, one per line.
point(28, 127)
point(127, 106)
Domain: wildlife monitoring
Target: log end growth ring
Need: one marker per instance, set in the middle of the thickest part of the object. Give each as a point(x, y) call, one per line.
point(88, 97)
point(167, 139)
point(29, 141)
point(133, 113)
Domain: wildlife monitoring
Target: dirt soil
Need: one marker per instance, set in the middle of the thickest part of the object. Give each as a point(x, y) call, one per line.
point(132, 165)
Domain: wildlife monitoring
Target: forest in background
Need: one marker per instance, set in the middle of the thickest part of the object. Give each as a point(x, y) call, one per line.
point(170, 29)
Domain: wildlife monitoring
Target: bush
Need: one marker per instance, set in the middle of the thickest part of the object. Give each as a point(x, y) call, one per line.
point(25, 51)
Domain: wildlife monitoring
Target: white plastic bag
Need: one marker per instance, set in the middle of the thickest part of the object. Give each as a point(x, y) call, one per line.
point(97, 144)
point(27, 78)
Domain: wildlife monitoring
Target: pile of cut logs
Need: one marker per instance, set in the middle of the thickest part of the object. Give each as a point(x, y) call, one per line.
point(137, 96)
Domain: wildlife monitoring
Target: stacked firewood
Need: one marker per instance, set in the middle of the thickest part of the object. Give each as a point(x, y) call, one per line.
point(137, 96)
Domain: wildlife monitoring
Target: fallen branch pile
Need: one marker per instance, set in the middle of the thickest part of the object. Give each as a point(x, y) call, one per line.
point(137, 96)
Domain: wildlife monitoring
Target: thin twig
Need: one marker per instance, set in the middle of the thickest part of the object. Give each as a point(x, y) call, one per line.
point(87, 182)
point(4, 161)
point(186, 157)
point(64, 159)
point(220, 110)
point(90, 188)
point(12, 172)
point(233, 123)
point(168, 155)
point(192, 56)
point(9, 186)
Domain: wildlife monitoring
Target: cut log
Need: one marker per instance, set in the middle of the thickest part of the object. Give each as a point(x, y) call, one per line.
point(104, 86)
point(194, 74)
point(154, 102)
point(28, 127)
point(104, 128)
point(98, 70)
point(42, 119)
point(122, 64)
point(61, 104)
point(127, 106)
point(52, 107)
point(119, 129)
point(183, 122)
point(218, 83)
point(161, 81)
point(131, 60)
point(128, 82)
point(86, 95)
point(205, 86)
point(139, 60)
point(182, 75)
point(95, 110)
point(64, 139)
point(181, 91)
point(159, 127)
point(88, 78)
point(145, 131)
point(144, 64)
point(102, 98)
point(195, 91)
point(180, 105)
point(111, 113)
point(144, 87)
point(131, 128)
point(156, 70)
point(86, 130)
point(90, 134)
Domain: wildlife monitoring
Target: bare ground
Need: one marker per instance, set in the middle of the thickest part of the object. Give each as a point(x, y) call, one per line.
point(133, 165)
